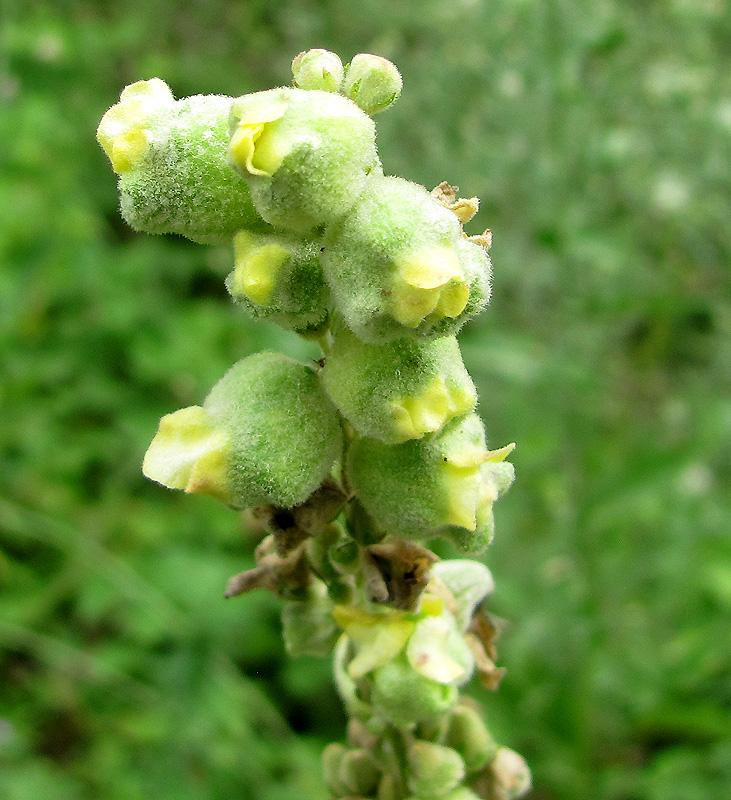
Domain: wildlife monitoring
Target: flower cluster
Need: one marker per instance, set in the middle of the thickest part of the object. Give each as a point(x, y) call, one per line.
point(352, 464)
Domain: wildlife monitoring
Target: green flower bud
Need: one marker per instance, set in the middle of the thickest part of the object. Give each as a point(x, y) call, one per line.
point(404, 697)
point(359, 772)
point(320, 70)
point(468, 735)
point(468, 583)
point(280, 280)
point(332, 758)
point(400, 390)
point(172, 159)
point(435, 770)
point(266, 434)
point(442, 485)
point(305, 154)
point(372, 82)
point(398, 265)
point(308, 626)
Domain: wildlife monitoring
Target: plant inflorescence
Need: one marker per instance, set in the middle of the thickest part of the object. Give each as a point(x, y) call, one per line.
point(354, 464)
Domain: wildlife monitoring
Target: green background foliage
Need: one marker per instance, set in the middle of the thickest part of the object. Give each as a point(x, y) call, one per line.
point(597, 135)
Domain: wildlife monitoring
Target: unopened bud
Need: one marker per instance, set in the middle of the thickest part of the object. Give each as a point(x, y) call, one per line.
point(305, 154)
point(404, 697)
point(435, 770)
point(397, 391)
point(442, 485)
point(398, 267)
point(511, 775)
point(279, 279)
point(308, 627)
point(319, 70)
point(359, 772)
point(332, 758)
point(172, 159)
point(372, 82)
point(266, 434)
point(468, 735)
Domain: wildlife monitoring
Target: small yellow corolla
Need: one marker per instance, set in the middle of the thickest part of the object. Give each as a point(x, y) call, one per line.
point(428, 410)
point(428, 282)
point(470, 491)
point(123, 131)
point(257, 264)
point(255, 145)
point(190, 453)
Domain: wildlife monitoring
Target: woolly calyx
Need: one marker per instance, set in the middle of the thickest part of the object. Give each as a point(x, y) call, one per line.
point(279, 279)
point(172, 160)
point(398, 391)
point(372, 82)
point(398, 267)
point(266, 434)
point(442, 485)
point(306, 155)
point(318, 70)
point(404, 697)
point(435, 770)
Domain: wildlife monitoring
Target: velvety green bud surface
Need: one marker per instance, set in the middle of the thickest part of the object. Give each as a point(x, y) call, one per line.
point(435, 769)
point(404, 697)
point(279, 279)
point(372, 82)
point(305, 154)
point(468, 735)
point(172, 159)
point(266, 434)
point(442, 485)
point(397, 265)
point(398, 391)
point(318, 70)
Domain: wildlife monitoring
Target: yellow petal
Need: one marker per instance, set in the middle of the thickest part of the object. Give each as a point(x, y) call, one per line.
point(189, 453)
point(123, 131)
point(256, 273)
point(255, 145)
point(379, 638)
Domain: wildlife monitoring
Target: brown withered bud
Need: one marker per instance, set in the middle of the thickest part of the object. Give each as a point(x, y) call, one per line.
point(480, 637)
point(291, 526)
point(403, 568)
point(287, 576)
point(464, 208)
